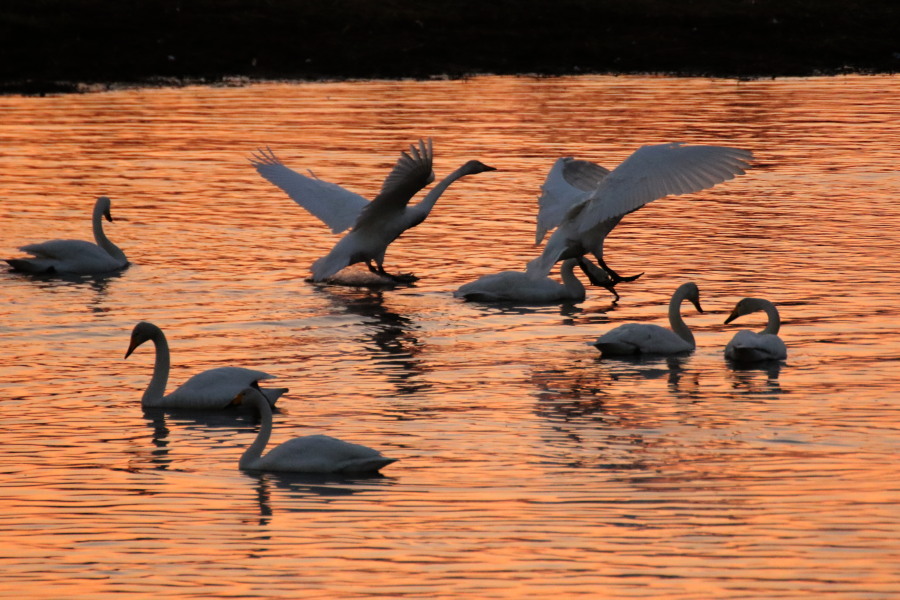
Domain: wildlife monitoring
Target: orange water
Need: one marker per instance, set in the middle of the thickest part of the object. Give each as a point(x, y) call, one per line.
point(528, 467)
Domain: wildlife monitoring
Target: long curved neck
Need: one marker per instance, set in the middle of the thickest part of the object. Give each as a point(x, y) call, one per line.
point(676, 322)
point(154, 393)
point(774, 323)
point(254, 452)
point(424, 207)
point(574, 287)
point(100, 236)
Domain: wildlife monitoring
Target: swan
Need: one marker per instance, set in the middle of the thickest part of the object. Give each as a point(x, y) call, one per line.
point(210, 390)
point(517, 286)
point(585, 201)
point(76, 257)
point(373, 225)
point(647, 338)
point(308, 454)
point(749, 346)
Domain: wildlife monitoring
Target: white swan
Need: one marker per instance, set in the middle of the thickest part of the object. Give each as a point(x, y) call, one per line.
point(308, 454)
point(584, 217)
point(76, 257)
point(749, 346)
point(374, 224)
point(646, 338)
point(210, 390)
point(517, 286)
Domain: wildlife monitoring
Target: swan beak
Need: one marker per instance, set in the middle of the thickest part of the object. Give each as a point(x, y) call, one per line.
point(488, 168)
point(734, 315)
point(108, 215)
point(131, 348)
point(697, 306)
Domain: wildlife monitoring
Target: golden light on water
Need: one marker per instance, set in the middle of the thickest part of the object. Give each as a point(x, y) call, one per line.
point(527, 463)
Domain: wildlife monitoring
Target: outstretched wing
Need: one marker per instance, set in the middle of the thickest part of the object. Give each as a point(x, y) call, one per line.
point(335, 206)
point(412, 172)
point(653, 172)
point(569, 182)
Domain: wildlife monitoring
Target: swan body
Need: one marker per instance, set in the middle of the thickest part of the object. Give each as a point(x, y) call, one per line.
point(517, 286)
point(76, 257)
point(749, 346)
point(645, 338)
point(308, 454)
point(373, 225)
point(584, 217)
point(210, 390)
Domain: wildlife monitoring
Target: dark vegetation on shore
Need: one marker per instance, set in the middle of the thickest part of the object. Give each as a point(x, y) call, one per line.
point(51, 45)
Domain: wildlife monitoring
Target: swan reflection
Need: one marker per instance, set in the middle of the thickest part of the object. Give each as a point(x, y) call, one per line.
point(389, 336)
point(758, 378)
point(305, 492)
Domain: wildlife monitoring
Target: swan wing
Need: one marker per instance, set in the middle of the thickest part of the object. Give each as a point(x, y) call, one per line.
point(640, 338)
point(653, 172)
point(216, 388)
point(749, 346)
point(322, 454)
point(569, 182)
point(66, 256)
point(335, 206)
point(412, 172)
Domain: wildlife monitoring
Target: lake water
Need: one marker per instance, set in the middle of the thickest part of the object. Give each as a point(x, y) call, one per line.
point(528, 466)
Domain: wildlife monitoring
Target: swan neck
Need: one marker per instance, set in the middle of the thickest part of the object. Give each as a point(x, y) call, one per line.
point(431, 198)
point(100, 236)
point(156, 390)
point(676, 322)
point(254, 452)
point(774, 322)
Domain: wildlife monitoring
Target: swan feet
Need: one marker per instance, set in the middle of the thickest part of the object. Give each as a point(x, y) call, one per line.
point(398, 278)
point(402, 277)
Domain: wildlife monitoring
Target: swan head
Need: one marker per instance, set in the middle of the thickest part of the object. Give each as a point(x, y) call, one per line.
point(745, 306)
point(103, 205)
point(690, 291)
point(475, 166)
point(141, 333)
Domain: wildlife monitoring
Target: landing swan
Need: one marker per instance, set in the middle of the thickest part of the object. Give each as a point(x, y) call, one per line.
point(517, 286)
point(646, 338)
point(374, 225)
point(308, 454)
point(585, 202)
point(75, 257)
point(210, 390)
point(749, 346)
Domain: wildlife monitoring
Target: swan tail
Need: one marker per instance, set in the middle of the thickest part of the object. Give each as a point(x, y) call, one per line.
point(329, 265)
point(367, 465)
point(26, 265)
point(273, 394)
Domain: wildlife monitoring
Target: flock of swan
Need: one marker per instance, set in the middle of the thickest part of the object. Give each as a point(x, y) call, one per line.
point(582, 201)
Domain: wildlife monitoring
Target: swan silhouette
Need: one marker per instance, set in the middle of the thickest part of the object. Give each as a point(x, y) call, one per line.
point(308, 454)
point(373, 225)
point(585, 202)
point(646, 338)
point(210, 390)
point(749, 346)
point(76, 257)
point(518, 286)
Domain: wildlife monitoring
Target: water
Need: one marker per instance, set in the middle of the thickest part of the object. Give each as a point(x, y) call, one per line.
point(527, 465)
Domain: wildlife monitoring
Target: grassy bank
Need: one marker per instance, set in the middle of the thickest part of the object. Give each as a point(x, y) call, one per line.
point(44, 42)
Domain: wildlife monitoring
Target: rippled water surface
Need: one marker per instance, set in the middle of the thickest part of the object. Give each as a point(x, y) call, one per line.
point(528, 467)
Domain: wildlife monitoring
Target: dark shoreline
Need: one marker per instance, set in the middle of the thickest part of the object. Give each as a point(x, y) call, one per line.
point(59, 46)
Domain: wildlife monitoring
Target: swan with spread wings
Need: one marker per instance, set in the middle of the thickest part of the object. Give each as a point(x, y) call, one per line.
point(373, 225)
point(584, 201)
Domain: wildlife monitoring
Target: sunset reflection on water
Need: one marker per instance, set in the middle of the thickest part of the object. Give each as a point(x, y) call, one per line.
point(527, 464)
